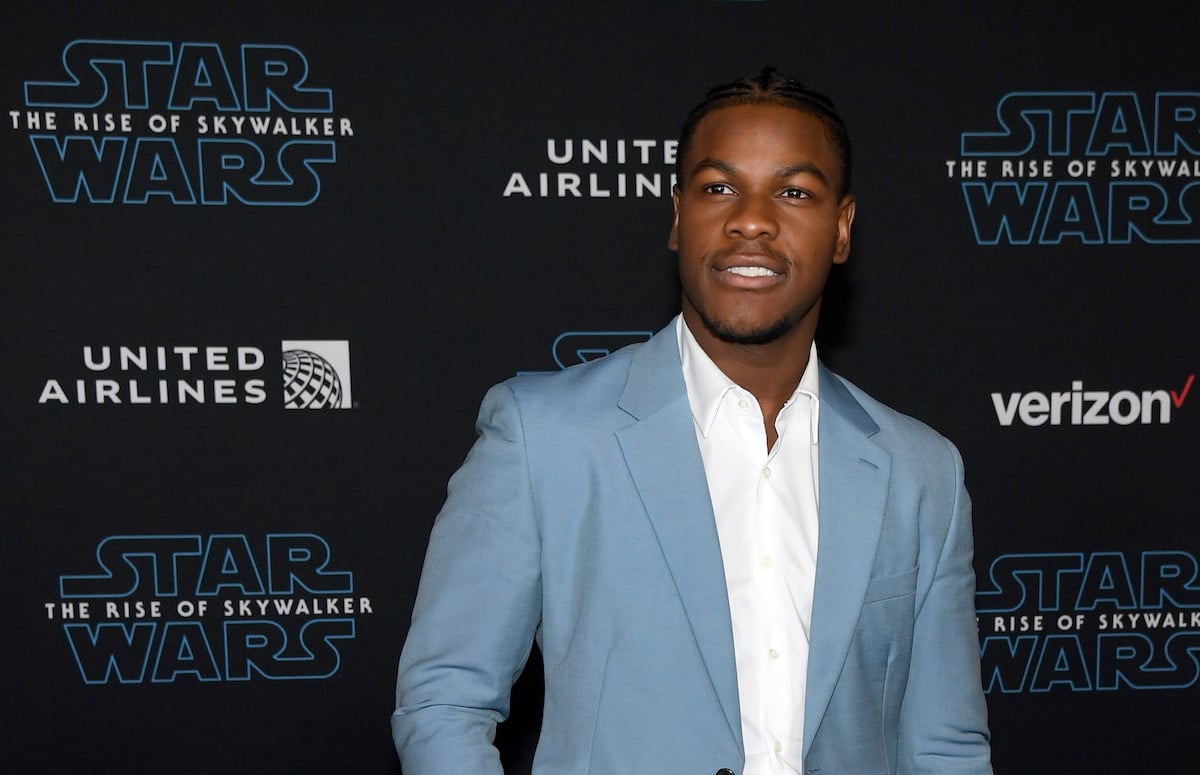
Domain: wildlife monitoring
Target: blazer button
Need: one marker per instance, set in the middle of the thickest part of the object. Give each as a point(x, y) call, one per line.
point(725, 771)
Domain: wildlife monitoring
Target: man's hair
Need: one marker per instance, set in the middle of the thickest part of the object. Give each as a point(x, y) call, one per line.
point(770, 87)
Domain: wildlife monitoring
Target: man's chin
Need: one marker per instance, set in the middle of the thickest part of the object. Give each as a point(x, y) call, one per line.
point(746, 334)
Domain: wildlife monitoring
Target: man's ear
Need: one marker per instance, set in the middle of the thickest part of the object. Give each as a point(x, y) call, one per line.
point(673, 237)
point(841, 249)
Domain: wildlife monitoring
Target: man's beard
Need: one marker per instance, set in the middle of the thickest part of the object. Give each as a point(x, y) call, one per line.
point(754, 336)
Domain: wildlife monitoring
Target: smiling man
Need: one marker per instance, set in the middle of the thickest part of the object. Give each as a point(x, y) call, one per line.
point(732, 560)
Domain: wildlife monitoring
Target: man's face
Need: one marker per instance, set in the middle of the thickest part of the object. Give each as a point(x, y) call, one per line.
point(759, 221)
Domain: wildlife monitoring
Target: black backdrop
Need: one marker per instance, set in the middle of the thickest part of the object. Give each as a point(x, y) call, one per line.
point(413, 248)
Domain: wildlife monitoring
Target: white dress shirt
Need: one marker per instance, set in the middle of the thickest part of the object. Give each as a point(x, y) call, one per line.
point(765, 504)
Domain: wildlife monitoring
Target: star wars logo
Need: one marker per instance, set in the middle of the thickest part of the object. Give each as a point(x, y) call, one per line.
point(228, 607)
point(1091, 168)
point(1081, 622)
point(191, 123)
point(572, 348)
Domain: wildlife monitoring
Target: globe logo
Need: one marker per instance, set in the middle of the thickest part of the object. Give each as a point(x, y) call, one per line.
point(310, 381)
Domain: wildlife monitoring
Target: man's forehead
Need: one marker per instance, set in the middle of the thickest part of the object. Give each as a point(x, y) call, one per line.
point(729, 119)
point(728, 133)
point(784, 169)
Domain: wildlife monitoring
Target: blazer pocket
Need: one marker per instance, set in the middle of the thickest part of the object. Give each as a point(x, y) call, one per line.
point(888, 587)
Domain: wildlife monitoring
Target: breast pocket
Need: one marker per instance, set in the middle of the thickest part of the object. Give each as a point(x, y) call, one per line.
point(893, 586)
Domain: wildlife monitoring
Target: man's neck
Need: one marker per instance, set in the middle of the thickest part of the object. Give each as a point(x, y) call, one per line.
point(770, 372)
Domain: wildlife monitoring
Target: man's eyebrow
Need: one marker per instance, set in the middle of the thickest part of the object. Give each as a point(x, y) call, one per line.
point(802, 169)
point(715, 164)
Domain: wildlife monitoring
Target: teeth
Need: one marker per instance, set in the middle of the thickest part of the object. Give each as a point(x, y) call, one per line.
point(751, 271)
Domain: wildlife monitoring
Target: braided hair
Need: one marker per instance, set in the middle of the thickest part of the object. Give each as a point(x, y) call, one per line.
point(770, 87)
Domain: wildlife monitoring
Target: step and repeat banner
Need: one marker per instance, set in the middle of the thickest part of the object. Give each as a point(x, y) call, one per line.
point(262, 261)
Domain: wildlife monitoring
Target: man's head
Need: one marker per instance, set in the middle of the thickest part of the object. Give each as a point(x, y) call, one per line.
point(770, 87)
point(761, 213)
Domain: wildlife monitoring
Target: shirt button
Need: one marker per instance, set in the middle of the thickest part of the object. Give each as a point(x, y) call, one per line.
point(773, 654)
point(768, 562)
point(743, 404)
point(766, 472)
point(778, 746)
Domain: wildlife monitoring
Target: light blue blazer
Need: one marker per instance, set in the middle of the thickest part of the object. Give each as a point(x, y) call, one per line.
point(581, 518)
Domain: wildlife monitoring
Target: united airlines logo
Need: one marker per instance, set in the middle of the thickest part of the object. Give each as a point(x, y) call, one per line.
point(315, 374)
point(134, 122)
point(1090, 168)
point(584, 168)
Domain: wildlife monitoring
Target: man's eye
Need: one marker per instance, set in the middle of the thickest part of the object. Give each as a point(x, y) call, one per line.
point(795, 193)
point(718, 188)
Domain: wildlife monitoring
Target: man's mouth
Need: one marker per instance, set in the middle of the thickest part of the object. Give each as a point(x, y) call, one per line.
point(751, 271)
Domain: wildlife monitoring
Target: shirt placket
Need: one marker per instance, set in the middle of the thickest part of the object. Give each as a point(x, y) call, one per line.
point(772, 667)
point(780, 655)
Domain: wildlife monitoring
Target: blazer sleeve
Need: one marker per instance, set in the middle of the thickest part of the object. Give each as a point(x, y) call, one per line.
point(477, 609)
point(943, 723)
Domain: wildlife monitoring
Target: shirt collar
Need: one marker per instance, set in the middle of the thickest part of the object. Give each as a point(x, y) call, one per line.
point(707, 384)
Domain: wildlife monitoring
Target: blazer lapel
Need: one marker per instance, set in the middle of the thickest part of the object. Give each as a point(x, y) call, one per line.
point(854, 476)
point(664, 461)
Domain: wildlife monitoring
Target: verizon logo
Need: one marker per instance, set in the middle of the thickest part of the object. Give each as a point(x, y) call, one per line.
point(1090, 407)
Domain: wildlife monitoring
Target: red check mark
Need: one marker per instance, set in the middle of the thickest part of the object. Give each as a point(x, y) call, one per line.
point(1178, 398)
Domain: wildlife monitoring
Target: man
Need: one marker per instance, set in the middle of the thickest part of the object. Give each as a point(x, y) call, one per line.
point(732, 560)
